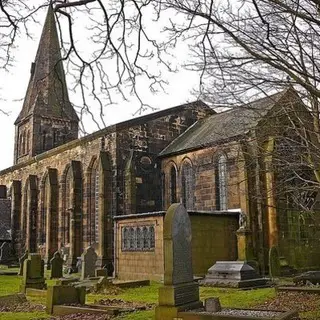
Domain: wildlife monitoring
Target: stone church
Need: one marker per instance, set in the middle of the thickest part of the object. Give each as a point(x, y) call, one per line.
point(110, 189)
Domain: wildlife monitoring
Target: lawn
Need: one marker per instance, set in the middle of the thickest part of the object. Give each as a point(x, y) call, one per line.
point(149, 294)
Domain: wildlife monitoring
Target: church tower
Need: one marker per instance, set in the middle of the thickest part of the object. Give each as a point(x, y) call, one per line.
point(47, 118)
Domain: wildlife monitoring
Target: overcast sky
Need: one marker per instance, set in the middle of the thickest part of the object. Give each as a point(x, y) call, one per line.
point(13, 85)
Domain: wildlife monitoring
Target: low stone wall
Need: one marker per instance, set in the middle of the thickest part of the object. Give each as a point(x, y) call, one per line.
point(138, 249)
point(139, 252)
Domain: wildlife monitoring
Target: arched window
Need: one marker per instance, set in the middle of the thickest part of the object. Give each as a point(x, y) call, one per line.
point(54, 137)
point(68, 205)
point(187, 185)
point(25, 212)
point(221, 183)
point(94, 202)
point(20, 147)
point(44, 140)
point(24, 143)
point(173, 185)
point(27, 141)
point(43, 218)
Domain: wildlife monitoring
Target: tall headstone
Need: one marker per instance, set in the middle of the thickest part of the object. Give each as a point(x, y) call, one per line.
point(56, 264)
point(21, 262)
point(33, 273)
point(274, 263)
point(179, 292)
point(88, 263)
point(5, 253)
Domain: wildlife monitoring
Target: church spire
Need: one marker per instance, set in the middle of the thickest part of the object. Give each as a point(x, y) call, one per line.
point(46, 109)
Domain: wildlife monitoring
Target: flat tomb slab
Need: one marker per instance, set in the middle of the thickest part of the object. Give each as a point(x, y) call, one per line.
point(8, 273)
point(59, 310)
point(241, 284)
point(298, 289)
point(36, 292)
point(131, 283)
point(245, 314)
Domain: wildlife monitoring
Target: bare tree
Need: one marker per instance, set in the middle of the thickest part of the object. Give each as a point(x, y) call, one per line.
point(242, 50)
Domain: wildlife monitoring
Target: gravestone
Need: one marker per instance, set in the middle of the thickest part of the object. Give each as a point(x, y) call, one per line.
point(33, 273)
point(56, 264)
point(64, 294)
point(5, 253)
point(274, 263)
point(21, 262)
point(88, 263)
point(212, 305)
point(179, 292)
point(65, 252)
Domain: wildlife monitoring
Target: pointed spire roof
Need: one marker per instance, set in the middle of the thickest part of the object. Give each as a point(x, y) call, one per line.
point(47, 93)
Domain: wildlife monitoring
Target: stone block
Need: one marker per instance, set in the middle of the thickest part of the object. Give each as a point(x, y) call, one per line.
point(179, 294)
point(88, 263)
point(56, 264)
point(212, 305)
point(101, 273)
point(233, 274)
point(33, 273)
point(59, 295)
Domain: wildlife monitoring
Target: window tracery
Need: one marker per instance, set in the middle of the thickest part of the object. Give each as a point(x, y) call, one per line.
point(138, 238)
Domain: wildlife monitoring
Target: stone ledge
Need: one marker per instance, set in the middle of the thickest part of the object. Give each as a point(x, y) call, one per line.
point(298, 289)
point(131, 283)
point(286, 315)
point(59, 310)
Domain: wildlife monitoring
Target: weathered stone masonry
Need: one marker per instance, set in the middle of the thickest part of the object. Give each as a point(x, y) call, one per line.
point(67, 175)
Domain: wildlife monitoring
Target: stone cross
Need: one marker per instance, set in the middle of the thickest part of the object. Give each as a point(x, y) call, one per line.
point(56, 264)
point(88, 259)
point(33, 273)
point(179, 292)
point(21, 262)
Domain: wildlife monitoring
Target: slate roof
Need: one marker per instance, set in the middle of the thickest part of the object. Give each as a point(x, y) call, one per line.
point(5, 219)
point(223, 126)
point(47, 93)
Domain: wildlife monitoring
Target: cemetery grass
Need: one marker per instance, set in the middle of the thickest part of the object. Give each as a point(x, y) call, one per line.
point(149, 295)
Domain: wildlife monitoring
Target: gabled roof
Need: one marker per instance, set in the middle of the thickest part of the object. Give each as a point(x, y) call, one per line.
point(223, 126)
point(47, 92)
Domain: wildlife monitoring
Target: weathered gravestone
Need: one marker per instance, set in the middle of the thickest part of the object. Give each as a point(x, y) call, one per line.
point(274, 262)
point(56, 264)
point(21, 262)
point(179, 292)
point(5, 253)
point(65, 252)
point(33, 273)
point(88, 263)
point(60, 295)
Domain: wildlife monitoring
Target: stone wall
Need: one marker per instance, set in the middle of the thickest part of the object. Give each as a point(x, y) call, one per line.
point(213, 238)
point(137, 262)
point(299, 239)
point(204, 170)
point(129, 146)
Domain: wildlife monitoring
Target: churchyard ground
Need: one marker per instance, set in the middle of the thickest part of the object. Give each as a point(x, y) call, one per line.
point(308, 305)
